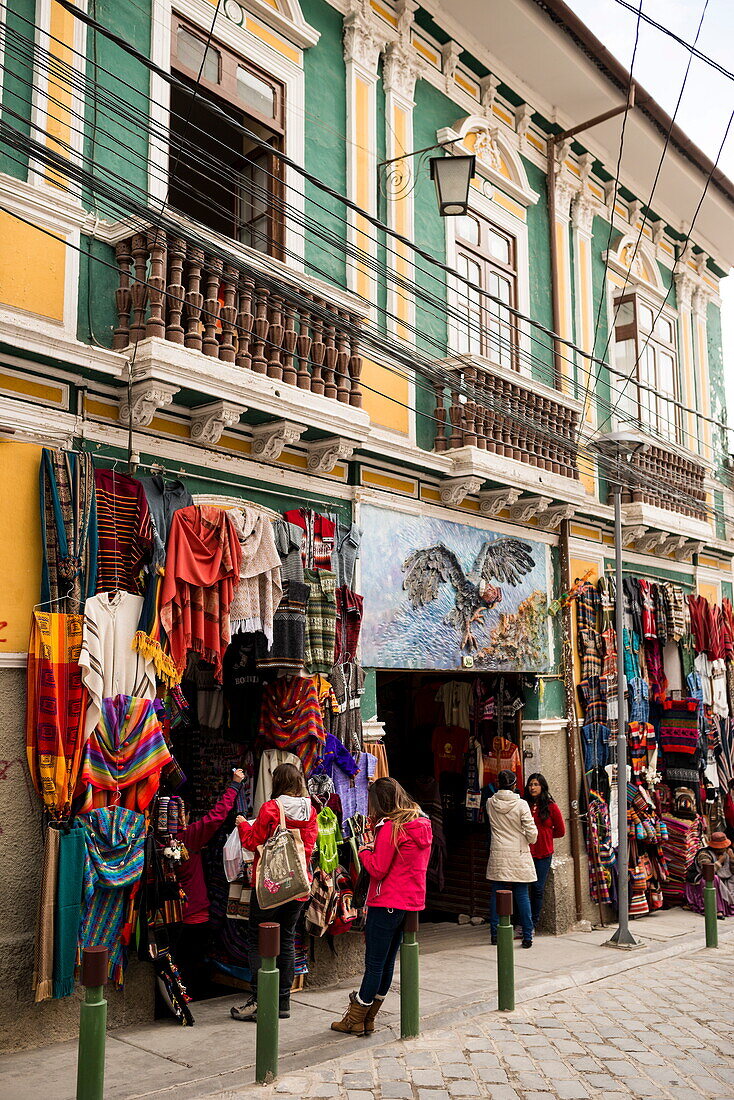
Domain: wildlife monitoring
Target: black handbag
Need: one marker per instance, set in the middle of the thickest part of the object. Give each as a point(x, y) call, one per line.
point(361, 889)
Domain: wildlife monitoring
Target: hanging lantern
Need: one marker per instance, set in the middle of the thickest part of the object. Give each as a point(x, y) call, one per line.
point(452, 176)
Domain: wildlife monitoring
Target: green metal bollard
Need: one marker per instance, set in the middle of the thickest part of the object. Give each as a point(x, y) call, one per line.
point(505, 953)
point(410, 1010)
point(268, 992)
point(709, 905)
point(92, 1025)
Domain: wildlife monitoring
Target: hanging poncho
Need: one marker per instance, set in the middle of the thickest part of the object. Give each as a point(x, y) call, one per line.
point(291, 719)
point(124, 753)
point(259, 590)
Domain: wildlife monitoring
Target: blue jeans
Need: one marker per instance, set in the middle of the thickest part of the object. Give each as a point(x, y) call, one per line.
point(537, 889)
point(520, 906)
point(383, 934)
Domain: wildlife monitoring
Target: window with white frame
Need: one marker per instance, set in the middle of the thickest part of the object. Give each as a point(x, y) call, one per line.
point(646, 352)
point(486, 257)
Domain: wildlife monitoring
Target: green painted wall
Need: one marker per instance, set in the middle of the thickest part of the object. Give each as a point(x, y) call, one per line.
point(116, 139)
point(325, 130)
point(96, 313)
point(717, 385)
point(368, 702)
point(541, 301)
point(432, 111)
point(17, 82)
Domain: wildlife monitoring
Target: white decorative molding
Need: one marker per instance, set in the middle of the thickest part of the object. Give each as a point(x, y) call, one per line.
point(583, 209)
point(530, 508)
point(364, 36)
point(494, 501)
point(566, 191)
point(552, 517)
point(325, 453)
point(209, 421)
point(270, 440)
point(689, 549)
point(496, 155)
point(450, 54)
point(672, 543)
point(651, 541)
point(488, 86)
point(401, 68)
point(29, 423)
point(685, 285)
point(456, 489)
point(13, 660)
point(523, 120)
point(373, 729)
point(634, 210)
point(287, 18)
point(632, 535)
point(643, 268)
point(147, 398)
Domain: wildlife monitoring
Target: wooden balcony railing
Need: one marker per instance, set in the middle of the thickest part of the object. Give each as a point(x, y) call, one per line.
point(508, 418)
point(668, 481)
point(178, 292)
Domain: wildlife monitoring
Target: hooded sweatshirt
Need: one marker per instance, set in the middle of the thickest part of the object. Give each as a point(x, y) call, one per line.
point(300, 816)
point(397, 865)
point(513, 831)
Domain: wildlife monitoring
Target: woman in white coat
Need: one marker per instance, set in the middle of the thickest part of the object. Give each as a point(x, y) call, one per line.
point(511, 865)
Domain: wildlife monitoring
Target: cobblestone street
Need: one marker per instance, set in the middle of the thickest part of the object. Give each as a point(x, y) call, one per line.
point(660, 1031)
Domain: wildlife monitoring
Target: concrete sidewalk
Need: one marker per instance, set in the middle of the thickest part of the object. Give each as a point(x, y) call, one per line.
point(458, 974)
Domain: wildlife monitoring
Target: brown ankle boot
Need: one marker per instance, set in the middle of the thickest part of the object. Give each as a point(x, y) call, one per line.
point(353, 1020)
point(369, 1020)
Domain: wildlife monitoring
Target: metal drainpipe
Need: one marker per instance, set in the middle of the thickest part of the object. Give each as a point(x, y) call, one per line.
point(571, 724)
point(555, 290)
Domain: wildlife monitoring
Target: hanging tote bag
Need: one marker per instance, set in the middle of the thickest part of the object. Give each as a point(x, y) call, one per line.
point(282, 874)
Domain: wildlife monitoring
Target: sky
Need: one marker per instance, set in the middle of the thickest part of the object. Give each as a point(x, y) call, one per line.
point(708, 98)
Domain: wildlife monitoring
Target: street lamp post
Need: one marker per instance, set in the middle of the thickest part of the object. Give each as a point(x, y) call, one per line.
point(620, 446)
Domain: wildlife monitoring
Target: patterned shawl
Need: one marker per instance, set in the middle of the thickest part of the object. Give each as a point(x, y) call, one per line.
point(259, 590)
point(68, 526)
point(124, 753)
point(56, 705)
point(115, 840)
point(202, 568)
point(291, 719)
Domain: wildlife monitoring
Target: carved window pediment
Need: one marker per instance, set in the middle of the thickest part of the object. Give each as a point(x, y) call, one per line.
point(498, 159)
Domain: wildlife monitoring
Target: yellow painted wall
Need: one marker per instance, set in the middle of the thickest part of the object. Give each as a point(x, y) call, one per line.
point(58, 126)
point(385, 396)
point(32, 266)
point(709, 590)
point(20, 542)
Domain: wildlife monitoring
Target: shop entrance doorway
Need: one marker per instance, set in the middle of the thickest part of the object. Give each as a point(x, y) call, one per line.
point(447, 736)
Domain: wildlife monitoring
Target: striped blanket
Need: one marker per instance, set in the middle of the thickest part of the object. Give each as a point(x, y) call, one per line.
point(291, 718)
point(115, 840)
point(124, 753)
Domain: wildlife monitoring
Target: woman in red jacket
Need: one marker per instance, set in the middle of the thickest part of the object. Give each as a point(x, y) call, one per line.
point(397, 863)
point(289, 791)
point(549, 820)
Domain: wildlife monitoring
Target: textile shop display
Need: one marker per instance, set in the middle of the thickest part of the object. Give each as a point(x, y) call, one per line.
point(124, 755)
point(68, 528)
point(258, 590)
point(124, 530)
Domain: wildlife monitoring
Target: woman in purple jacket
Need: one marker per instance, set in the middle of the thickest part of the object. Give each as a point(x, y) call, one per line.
point(397, 863)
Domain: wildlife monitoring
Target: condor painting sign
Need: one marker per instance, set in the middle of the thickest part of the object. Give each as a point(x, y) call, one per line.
point(436, 591)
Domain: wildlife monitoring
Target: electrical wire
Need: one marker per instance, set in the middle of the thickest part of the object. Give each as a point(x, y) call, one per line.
point(681, 41)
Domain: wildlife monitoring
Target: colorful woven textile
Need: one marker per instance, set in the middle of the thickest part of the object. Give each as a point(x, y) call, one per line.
point(318, 537)
point(115, 842)
point(124, 753)
point(258, 590)
point(679, 727)
point(125, 532)
point(72, 853)
point(55, 708)
point(349, 607)
point(43, 963)
point(599, 847)
point(320, 620)
point(289, 629)
point(68, 526)
point(202, 569)
point(291, 719)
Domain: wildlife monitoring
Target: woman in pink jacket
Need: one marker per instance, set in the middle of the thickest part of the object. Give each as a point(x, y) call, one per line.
point(397, 864)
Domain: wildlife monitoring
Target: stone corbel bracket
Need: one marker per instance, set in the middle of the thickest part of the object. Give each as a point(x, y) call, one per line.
point(631, 535)
point(552, 517)
point(209, 421)
point(270, 440)
point(494, 501)
point(455, 489)
point(689, 549)
point(145, 401)
point(530, 508)
point(325, 453)
point(650, 542)
point(672, 544)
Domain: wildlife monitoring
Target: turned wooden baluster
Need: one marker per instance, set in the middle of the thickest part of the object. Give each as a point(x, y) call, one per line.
point(355, 364)
point(245, 318)
point(290, 338)
point(318, 349)
point(303, 350)
point(139, 289)
point(470, 408)
point(210, 343)
point(259, 362)
point(455, 414)
point(123, 295)
point(330, 357)
point(480, 411)
point(275, 338)
point(440, 442)
point(194, 300)
point(342, 357)
point(506, 431)
point(156, 325)
point(176, 290)
point(228, 314)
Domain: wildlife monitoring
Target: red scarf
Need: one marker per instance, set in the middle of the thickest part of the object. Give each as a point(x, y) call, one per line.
point(202, 570)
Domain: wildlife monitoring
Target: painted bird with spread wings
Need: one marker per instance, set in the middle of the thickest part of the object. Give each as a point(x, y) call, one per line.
point(506, 560)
